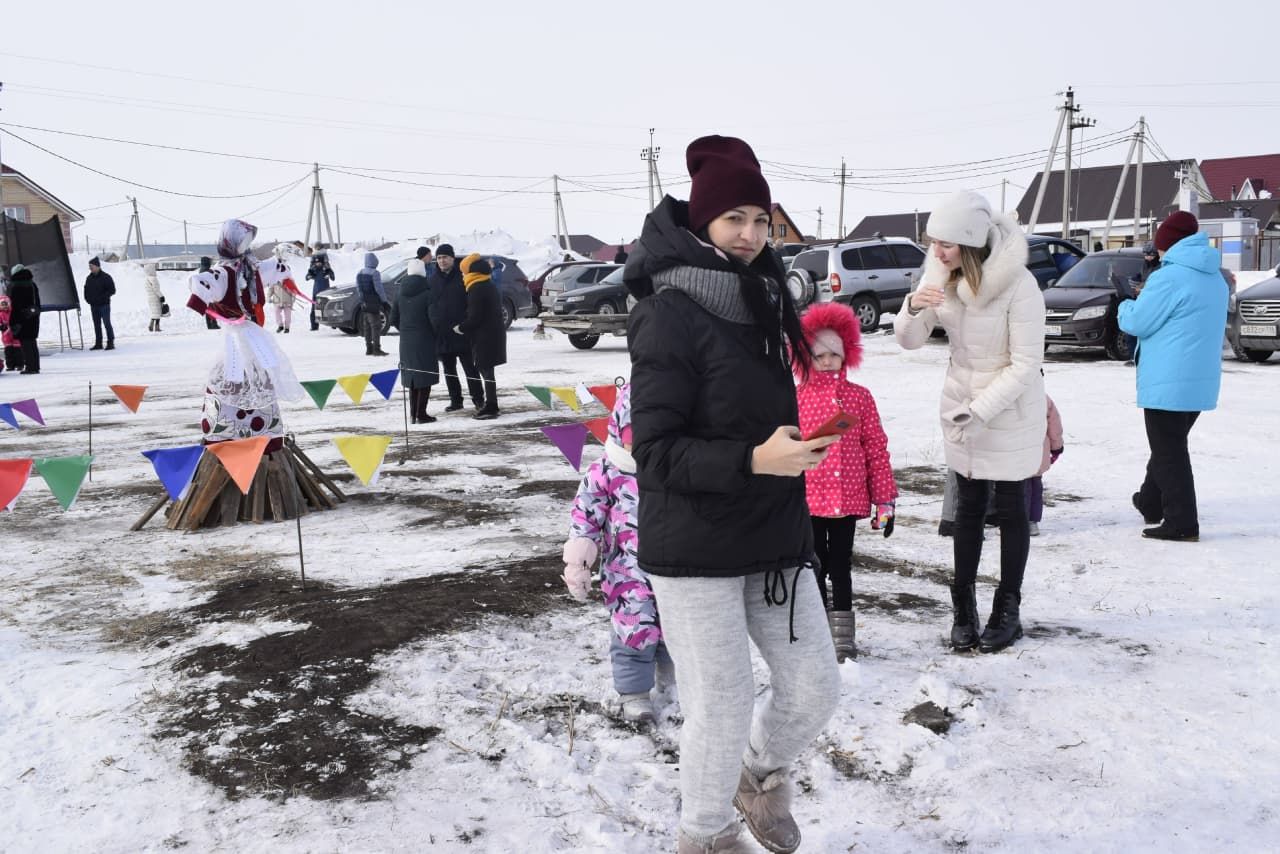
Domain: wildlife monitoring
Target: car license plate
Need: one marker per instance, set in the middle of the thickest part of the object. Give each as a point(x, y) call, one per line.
point(1052, 331)
point(1258, 331)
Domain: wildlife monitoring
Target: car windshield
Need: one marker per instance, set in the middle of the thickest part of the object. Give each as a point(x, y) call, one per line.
point(1105, 272)
point(394, 270)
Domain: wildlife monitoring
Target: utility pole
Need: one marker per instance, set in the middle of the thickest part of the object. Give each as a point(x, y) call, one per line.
point(186, 249)
point(819, 222)
point(840, 218)
point(4, 219)
point(1115, 200)
point(135, 231)
point(1003, 183)
point(316, 210)
point(1137, 184)
point(1070, 110)
point(650, 155)
point(562, 225)
point(1044, 174)
point(337, 216)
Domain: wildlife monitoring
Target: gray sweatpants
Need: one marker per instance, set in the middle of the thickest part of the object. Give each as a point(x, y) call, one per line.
point(706, 623)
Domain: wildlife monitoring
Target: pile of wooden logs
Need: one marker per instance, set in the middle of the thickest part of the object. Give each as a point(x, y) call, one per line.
point(286, 485)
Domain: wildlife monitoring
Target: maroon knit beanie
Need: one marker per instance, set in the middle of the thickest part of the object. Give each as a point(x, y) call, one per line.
point(1176, 226)
point(725, 174)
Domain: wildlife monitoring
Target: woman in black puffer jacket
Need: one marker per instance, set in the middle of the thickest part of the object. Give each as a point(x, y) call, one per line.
point(724, 530)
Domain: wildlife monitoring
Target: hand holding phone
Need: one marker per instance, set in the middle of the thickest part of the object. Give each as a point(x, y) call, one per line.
point(836, 425)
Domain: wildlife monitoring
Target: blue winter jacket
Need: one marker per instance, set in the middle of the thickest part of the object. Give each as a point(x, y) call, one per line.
point(369, 281)
point(1179, 320)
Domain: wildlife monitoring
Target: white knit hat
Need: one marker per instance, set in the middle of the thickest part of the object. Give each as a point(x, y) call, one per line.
point(416, 267)
point(827, 341)
point(963, 218)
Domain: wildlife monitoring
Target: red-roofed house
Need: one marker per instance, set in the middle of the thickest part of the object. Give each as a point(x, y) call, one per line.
point(1229, 178)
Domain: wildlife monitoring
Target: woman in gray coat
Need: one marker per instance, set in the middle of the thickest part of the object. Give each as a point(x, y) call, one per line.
point(414, 313)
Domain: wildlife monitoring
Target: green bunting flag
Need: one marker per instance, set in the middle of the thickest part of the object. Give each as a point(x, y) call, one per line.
point(64, 476)
point(541, 393)
point(319, 390)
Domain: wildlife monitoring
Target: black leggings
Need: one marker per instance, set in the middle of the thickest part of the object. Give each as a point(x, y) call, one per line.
point(1015, 533)
point(833, 543)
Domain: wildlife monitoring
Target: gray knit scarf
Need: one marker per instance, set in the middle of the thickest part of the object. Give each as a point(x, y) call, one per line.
point(717, 291)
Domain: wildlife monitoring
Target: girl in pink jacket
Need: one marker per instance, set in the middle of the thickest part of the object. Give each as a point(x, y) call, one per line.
point(855, 480)
point(1052, 450)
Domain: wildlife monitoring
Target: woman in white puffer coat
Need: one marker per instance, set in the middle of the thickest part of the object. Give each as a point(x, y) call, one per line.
point(977, 287)
point(155, 299)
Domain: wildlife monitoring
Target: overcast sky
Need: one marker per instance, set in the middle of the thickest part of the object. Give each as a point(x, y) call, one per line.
point(442, 107)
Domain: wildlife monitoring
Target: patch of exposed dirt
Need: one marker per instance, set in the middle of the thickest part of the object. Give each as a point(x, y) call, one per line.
point(269, 718)
point(931, 572)
point(1053, 499)
point(896, 603)
point(921, 480)
point(561, 490)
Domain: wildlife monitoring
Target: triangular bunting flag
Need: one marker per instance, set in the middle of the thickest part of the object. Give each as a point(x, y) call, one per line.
point(599, 428)
point(7, 416)
point(319, 390)
point(541, 393)
point(385, 382)
point(13, 476)
point(64, 476)
point(566, 394)
point(364, 454)
point(354, 386)
point(130, 395)
point(175, 467)
point(584, 395)
point(606, 394)
point(240, 458)
point(569, 438)
point(29, 408)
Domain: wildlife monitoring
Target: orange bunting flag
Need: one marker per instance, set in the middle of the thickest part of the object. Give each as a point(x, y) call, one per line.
point(130, 395)
point(599, 428)
point(240, 458)
point(606, 394)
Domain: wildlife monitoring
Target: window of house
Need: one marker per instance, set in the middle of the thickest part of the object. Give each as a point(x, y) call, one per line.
point(18, 213)
point(782, 230)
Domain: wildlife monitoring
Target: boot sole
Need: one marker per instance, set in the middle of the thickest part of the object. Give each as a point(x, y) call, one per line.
point(771, 846)
point(1015, 637)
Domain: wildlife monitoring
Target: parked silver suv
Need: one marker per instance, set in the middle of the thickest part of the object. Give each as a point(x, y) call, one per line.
point(871, 276)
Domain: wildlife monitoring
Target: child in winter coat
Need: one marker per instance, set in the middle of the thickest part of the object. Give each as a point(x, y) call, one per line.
point(603, 524)
point(282, 298)
point(12, 347)
point(1052, 450)
point(856, 479)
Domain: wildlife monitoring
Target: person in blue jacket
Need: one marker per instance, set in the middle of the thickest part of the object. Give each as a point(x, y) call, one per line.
point(1178, 320)
point(374, 305)
point(320, 274)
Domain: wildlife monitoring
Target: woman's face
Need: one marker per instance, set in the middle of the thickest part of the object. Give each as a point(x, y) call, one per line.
point(740, 231)
point(947, 253)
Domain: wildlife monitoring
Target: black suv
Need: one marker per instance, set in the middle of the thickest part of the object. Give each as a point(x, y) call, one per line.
point(1253, 321)
point(341, 306)
point(1080, 307)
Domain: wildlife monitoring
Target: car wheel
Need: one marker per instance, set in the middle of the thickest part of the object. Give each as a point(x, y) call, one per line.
point(508, 313)
point(584, 340)
point(1256, 355)
point(606, 307)
point(867, 308)
point(1116, 348)
point(347, 330)
point(386, 322)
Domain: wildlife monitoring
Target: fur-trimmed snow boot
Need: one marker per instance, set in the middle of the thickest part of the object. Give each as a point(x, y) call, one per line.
point(637, 708)
point(765, 804)
point(727, 841)
point(843, 634)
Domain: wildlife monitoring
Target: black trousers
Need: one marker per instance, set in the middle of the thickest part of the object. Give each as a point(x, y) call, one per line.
point(451, 363)
point(833, 544)
point(30, 354)
point(1170, 488)
point(1015, 533)
point(490, 390)
point(101, 315)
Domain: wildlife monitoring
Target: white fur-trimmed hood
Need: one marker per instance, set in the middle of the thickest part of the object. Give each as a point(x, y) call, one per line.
point(1007, 264)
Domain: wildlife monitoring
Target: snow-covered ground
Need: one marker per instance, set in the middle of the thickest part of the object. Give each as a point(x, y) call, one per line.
point(136, 668)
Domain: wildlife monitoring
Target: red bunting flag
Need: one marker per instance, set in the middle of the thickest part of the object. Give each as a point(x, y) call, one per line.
point(606, 394)
point(13, 477)
point(599, 428)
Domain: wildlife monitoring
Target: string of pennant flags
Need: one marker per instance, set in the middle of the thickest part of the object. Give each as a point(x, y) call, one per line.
point(570, 439)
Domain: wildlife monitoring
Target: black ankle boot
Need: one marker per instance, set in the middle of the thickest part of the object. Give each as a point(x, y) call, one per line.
point(964, 607)
point(1004, 627)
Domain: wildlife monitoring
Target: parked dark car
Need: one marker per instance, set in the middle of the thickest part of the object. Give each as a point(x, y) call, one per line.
point(341, 308)
point(608, 296)
point(1080, 307)
point(1253, 321)
point(1049, 258)
point(537, 283)
point(571, 278)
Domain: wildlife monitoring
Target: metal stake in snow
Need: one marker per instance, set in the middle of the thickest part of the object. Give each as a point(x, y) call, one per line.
point(302, 564)
point(404, 396)
point(90, 430)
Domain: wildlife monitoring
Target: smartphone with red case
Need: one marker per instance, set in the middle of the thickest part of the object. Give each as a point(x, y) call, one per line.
point(836, 425)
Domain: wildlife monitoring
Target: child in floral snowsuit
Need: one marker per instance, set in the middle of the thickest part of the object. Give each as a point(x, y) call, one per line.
point(603, 522)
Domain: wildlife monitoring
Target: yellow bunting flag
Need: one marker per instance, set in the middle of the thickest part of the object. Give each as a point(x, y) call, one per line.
point(354, 386)
point(240, 458)
point(569, 395)
point(130, 395)
point(364, 454)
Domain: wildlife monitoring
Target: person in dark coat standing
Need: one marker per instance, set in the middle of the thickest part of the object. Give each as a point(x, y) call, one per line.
point(320, 274)
point(725, 534)
point(484, 324)
point(99, 288)
point(24, 317)
point(373, 298)
point(454, 347)
point(414, 313)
